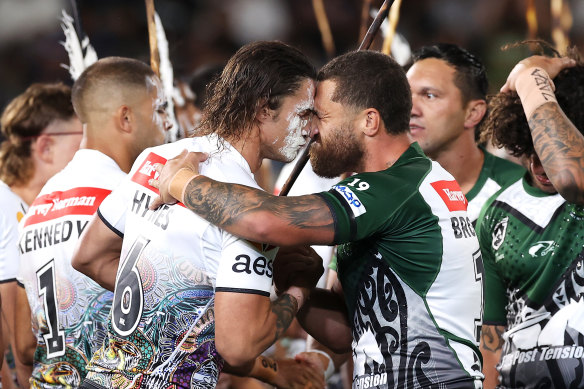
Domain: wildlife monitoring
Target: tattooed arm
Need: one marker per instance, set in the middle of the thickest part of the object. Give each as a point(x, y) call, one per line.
point(247, 323)
point(491, 345)
point(560, 147)
point(558, 143)
point(243, 211)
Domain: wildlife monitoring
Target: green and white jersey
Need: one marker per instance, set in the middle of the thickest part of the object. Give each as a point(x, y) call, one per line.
point(495, 174)
point(532, 244)
point(411, 271)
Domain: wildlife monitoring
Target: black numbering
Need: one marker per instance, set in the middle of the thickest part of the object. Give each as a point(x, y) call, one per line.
point(55, 337)
point(128, 301)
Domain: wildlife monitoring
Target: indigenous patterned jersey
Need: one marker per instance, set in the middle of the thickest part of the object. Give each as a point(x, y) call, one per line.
point(495, 174)
point(12, 211)
point(161, 330)
point(533, 246)
point(411, 274)
point(69, 310)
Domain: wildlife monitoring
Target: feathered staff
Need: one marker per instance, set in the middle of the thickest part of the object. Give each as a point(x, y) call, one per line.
point(160, 63)
point(303, 159)
point(81, 53)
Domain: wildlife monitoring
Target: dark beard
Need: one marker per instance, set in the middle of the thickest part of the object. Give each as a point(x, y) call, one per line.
point(340, 154)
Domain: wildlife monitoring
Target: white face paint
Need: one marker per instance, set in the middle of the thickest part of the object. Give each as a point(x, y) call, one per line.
point(158, 103)
point(297, 125)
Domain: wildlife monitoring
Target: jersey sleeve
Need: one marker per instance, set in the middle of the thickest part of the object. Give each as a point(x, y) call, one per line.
point(355, 205)
point(495, 299)
point(244, 267)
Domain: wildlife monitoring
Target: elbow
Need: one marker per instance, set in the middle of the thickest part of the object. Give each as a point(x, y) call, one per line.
point(24, 352)
point(235, 353)
point(78, 262)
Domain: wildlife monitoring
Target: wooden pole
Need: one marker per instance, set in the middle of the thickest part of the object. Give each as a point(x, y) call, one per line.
point(305, 156)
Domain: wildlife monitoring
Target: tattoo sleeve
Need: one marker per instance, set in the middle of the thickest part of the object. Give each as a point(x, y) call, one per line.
point(285, 308)
point(560, 147)
point(493, 337)
point(226, 205)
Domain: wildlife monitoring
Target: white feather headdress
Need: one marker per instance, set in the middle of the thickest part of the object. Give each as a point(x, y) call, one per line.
point(81, 54)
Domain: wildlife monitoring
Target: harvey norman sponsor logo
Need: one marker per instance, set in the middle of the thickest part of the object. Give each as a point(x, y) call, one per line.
point(76, 201)
point(451, 194)
point(147, 171)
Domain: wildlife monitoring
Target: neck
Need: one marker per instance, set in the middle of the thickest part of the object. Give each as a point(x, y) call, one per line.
point(464, 160)
point(249, 147)
point(383, 151)
point(118, 150)
point(29, 191)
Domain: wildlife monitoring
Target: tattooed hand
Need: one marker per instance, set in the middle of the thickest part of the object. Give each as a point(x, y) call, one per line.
point(168, 171)
point(551, 65)
point(297, 266)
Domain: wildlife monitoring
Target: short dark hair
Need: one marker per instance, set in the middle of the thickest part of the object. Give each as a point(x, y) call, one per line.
point(118, 71)
point(369, 79)
point(258, 73)
point(506, 125)
point(24, 119)
point(471, 75)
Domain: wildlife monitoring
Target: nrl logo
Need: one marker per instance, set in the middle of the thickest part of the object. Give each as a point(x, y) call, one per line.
point(499, 233)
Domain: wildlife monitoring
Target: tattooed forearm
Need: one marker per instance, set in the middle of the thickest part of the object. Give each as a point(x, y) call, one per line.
point(227, 204)
point(493, 338)
point(285, 308)
point(560, 147)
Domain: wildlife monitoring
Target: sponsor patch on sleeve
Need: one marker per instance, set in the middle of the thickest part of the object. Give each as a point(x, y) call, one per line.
point(451, 194)
point(246, 268)
point(147, 171)
point(352, 200)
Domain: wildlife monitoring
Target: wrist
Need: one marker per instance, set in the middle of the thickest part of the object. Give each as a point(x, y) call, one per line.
point(264, 369)
point(326, 361)
point(179, 182)
point(535, 88)
point(300, 294)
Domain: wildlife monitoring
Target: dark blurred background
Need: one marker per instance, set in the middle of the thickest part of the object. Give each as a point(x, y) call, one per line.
point(208, 31)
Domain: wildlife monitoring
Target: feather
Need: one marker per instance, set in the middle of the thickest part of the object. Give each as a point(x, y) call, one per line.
point(81, 54)
point(167, 78)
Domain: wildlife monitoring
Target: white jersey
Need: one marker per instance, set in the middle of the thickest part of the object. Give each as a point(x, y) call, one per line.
point(161, 331)
point(69, 310)
point(12, 211)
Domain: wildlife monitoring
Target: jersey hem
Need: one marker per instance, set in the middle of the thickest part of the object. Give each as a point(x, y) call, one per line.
point(245, 291)
point(115, 230)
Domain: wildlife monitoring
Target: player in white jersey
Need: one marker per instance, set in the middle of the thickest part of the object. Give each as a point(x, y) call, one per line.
point(120, 104)
point(409, 301)
point(188, 296)
point(41, 134)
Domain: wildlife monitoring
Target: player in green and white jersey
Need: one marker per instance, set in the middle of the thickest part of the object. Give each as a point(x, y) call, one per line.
point(532, 233)
point(449, 91)
point(409, 301)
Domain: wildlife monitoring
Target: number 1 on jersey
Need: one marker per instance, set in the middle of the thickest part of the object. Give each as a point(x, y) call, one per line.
point(55, 338)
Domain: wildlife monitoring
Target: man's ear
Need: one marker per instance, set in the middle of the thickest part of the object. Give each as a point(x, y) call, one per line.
point(475, 111)
point(124, 118)
point(264, 112)
point(43, 148)
point(371, 120)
